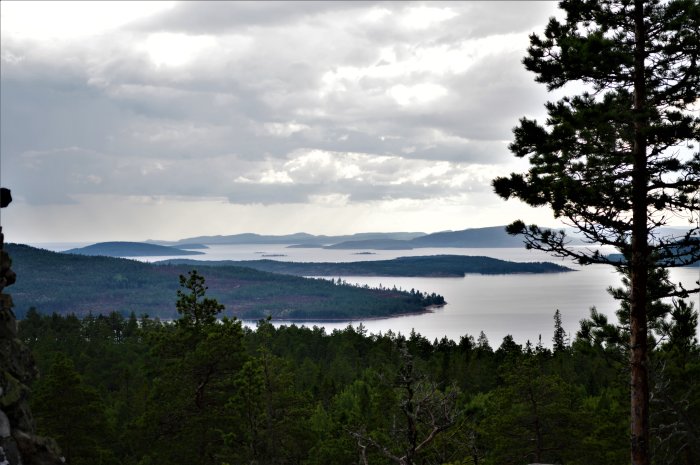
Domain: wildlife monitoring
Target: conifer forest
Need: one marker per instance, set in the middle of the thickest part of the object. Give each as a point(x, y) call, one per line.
point(118, 390)
point(104, 371)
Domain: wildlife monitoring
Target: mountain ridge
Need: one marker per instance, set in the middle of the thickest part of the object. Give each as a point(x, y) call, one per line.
point(492, 236)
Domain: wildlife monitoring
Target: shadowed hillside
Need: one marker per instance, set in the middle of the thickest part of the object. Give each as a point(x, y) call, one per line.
point(64, 283)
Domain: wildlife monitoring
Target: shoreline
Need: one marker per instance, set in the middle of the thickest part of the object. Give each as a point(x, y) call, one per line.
point(428, 309)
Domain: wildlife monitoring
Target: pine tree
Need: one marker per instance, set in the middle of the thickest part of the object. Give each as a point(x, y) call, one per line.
point(195, 364)
point(194, 308)
point(610, 162)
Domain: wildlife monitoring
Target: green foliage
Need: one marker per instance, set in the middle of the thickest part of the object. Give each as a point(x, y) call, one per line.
point(586, 162)
point(534, 417)
point(140, 391)
point(676, 404)
point(612, 161)
point(197, 360)
point(270, 414)
point(195, 310)
point(559, 338)
point(581, 161)
point(70, 411)
point(610, 412)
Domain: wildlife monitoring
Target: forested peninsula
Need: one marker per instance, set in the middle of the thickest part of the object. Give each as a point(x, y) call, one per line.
point(426, 266)
point(67, 283)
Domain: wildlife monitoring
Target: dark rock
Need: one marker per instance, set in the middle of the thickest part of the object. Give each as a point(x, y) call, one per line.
point(18, 443)
point(4, 426)
point(7, 276)
point(5, 197)
point(9, 452)
point(36, 450)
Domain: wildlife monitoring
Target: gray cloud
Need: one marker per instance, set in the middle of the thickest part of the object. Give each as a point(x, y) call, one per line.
point(225, 99)
point(217, 17)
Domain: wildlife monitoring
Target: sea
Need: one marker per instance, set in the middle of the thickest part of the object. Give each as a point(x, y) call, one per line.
point(519, 305)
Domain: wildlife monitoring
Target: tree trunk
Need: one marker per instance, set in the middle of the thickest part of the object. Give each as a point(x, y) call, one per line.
point(639, 375)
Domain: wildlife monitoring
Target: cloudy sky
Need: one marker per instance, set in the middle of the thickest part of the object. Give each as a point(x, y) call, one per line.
point(133, 120)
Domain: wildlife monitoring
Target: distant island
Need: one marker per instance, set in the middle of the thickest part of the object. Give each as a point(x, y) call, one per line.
point(424, 266)
point(189, 246)
point(135, 249)
point(376, 244)
point(299, 239)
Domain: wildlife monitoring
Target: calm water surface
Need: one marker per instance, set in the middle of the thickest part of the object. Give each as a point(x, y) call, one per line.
point(521, 305)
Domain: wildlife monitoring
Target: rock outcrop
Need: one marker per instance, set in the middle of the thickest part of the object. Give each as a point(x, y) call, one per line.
point(19, 445)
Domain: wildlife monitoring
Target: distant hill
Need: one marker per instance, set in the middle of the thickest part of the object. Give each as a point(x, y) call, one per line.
point(70, 283)
point(495, 236)
point(490, 237)
point(248, 238)
point(132, 249)
point(686, 254)
point(375, 244)
point(298, 239)
point(428, 266)
point(618, 257)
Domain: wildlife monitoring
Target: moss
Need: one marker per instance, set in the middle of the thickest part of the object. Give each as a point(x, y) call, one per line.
point(12, 390)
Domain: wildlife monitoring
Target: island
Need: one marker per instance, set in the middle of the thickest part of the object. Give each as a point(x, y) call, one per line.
point(136, 249)
point(421, 266)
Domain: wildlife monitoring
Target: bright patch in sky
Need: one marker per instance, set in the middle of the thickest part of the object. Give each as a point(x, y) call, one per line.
point(170, 49)
point(376, 15)
point(423, 17)
point(320, 165)
point(438, 61)
point(418, 94)
point(426, 175)
point(42, 20)
point(284, 129)
point(275, 177)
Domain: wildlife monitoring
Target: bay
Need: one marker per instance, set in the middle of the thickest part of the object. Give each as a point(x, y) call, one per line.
point(521, 305)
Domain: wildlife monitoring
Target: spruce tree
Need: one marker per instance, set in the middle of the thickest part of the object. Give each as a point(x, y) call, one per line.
point(559, 338)
point(616, 162)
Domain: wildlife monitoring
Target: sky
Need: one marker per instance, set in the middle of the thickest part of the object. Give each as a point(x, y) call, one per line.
point(165, 120)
